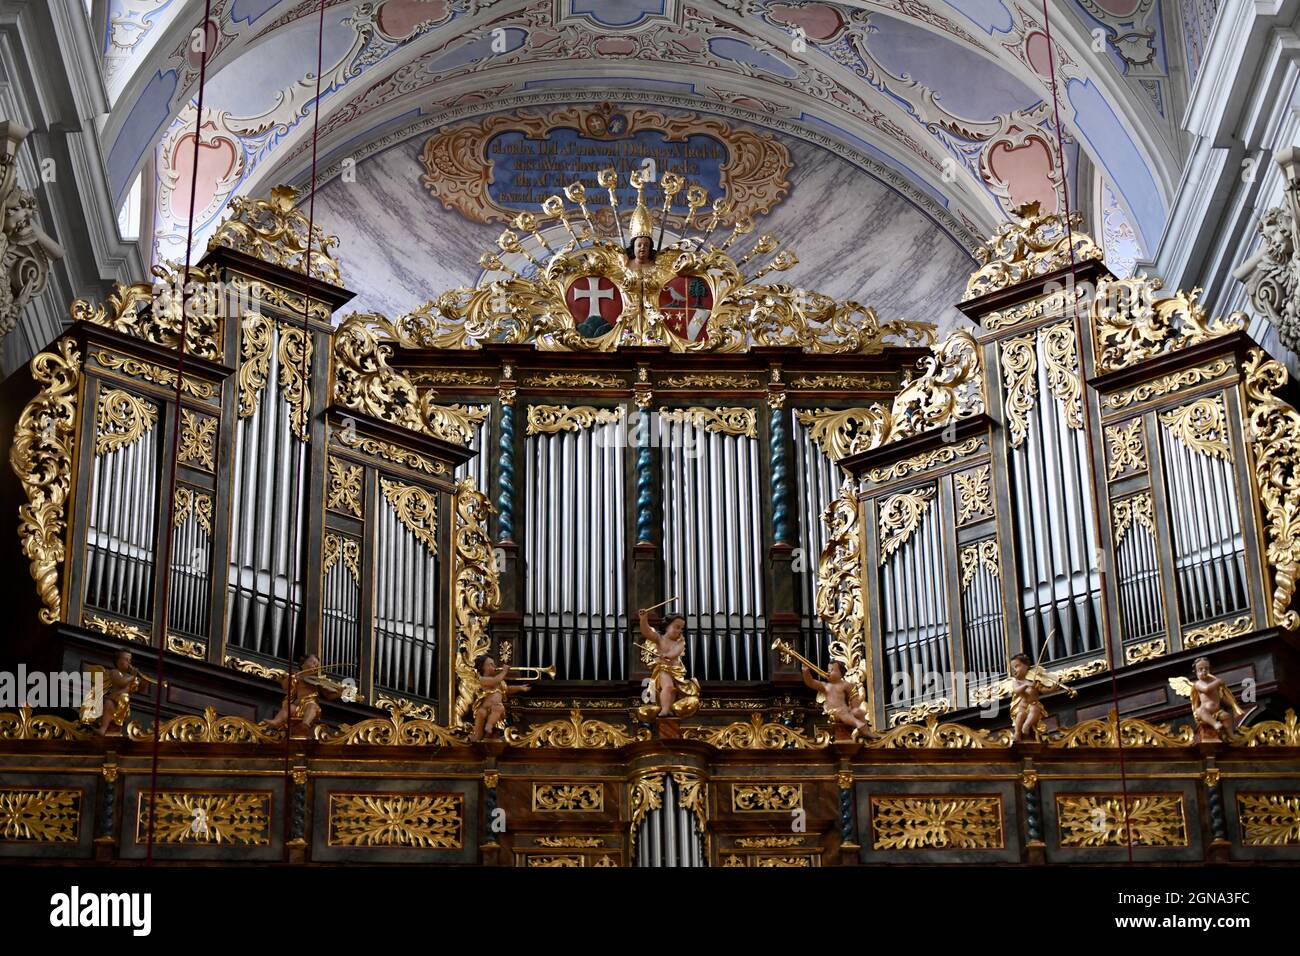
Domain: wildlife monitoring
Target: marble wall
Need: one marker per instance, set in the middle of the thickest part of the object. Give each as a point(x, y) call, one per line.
point(855, 238)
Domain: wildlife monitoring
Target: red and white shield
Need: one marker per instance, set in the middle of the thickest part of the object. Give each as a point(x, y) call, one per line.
point(595, 304)
point(685, 303)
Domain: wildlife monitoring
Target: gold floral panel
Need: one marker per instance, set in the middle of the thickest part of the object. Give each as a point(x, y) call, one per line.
point(35, 815)
point(1098, 820)
point(766, 797)
point(421, 821)
point(1269, 819)
point(198, 440)
point(569, 797)
point(205, 818)
point(937, 822)
point(343, 489)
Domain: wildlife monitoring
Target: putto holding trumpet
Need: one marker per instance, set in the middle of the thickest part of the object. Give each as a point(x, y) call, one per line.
point(675, 694)
point(841, 698)
point(490, 702)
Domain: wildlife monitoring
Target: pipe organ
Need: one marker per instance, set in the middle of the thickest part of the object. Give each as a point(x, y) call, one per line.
point(1092, 477)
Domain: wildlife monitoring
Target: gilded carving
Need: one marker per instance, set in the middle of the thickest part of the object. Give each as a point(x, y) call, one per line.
point(1127, 510)
point(1061, 356)
point(190, 501)
point(1130, 325)
point(711, 381)
point(574, 733)
point(41, 457)
point(448, 376)
point(974, 498)
point(944, 455)
point(1100, 820)
point(337, 546)
point(569, 797)
point(388, 451)
point(399, 729)
point(755, 734)
point(276, 232)
point(936, 823)
point(186, 647)
point(24, 725)
point(724, 421)
point(574, 380)
point(1126, 449)
point(552, 419)
point(1272, 733)
point(194, 817)
point(1218, 631)
point(294, 355)
point(415, 508)
point(115, 628)
point(1267, 819)
point(900, 516)
point(919, 713)
point(1202, 426)
point(1274, 430)
point(157, 311)
point(343, 493)
point(834, 429)
point(122, 419)
point(476, 594)
point(875, 383)
point(206, 729)
point(1171, 382)
point(1029, 246)
point(766, 797)
point(152, 373)
point(979, 554)
point(1131, 732)
point(839, 590)
point(422, 821)
point(257, 670)
point(256, 337)
point(30, 815)
point(1020, 382)
point(1145, 651)
point(198, 436)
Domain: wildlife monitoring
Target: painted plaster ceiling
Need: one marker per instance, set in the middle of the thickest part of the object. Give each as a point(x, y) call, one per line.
point(947, 103)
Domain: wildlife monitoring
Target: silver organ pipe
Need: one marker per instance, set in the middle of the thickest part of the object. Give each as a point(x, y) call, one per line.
point(1054, 515)
point(713, 548)
point(477, 467)
point(123, 506)
point(341, 605)
point(406, 580)
point(670, 835)
point(1141, 606)
point(914, 617)
point(191, 561)
point(1209, 552)
point(817, 480)
point(575, 604)
point(268, 515)
point(982, 614)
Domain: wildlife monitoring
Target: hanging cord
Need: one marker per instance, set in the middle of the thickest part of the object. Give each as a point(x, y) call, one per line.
point(1087, 431)
point(304, 377)
point(162, 609)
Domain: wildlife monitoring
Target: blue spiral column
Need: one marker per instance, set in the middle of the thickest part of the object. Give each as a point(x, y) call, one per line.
point(506, 475)
point(779, 477)
point(645, 496)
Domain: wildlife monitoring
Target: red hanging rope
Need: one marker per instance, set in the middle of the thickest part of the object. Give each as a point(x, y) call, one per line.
point(1101, 571)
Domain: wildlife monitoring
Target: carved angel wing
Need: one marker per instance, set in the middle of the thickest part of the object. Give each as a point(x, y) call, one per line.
point(92, 704)
point(1182, 686)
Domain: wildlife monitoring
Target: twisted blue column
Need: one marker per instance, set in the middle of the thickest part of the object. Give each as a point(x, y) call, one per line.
point(645, 496)
point(780, 481)
point(506, 478)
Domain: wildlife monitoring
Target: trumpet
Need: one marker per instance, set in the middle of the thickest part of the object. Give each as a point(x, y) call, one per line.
point(788, 652)
point(537, 672)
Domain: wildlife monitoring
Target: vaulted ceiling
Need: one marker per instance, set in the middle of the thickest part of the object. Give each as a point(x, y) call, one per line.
point(947, 103)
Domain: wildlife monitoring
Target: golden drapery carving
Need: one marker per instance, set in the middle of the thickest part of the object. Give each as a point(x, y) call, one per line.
point(41, 457)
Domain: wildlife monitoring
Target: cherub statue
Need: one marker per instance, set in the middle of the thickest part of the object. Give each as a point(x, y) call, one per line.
point(676, 694)
point(1215, 710)
point(303, 690)
point(1028, 681)
point(843, 699)
point(490, 702)
point(112, 705)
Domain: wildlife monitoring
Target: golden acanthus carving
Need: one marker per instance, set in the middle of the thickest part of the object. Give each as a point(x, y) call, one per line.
point(206, 729)
point(276, 232)
point(24, 725)
point(936, 823)
point(41, 457)
point(1119, 820)
point(154, 311)
point(152, 373)
point(974, 498)
point(1146, 651)
point(122, 419)
point(32, 815)
point(476, 594)
point(1127, 510)
point(1127, 452)
point(839, 600)
point(1218, 631)
point(1202, 426)
point(415, 508)
point(979, 554)
point(551, 419)
point(1030, 246)
point(756, 734)
point(724, 421)
point(387, 451)
point(1274, 432)
point(833, 429)
point(256, 337)
point(900, 515)
point(574, 380)
point(398, 729)
point(1109, 731)
point(575, 733)
point(1131, 325)
point(1061, 355)
point(426, 821)
point(336, 547)
point(944, 455)
point(1020, 384)
point(343, 487)
point(294, 356)
point(1168, 383)
point(197, 440)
